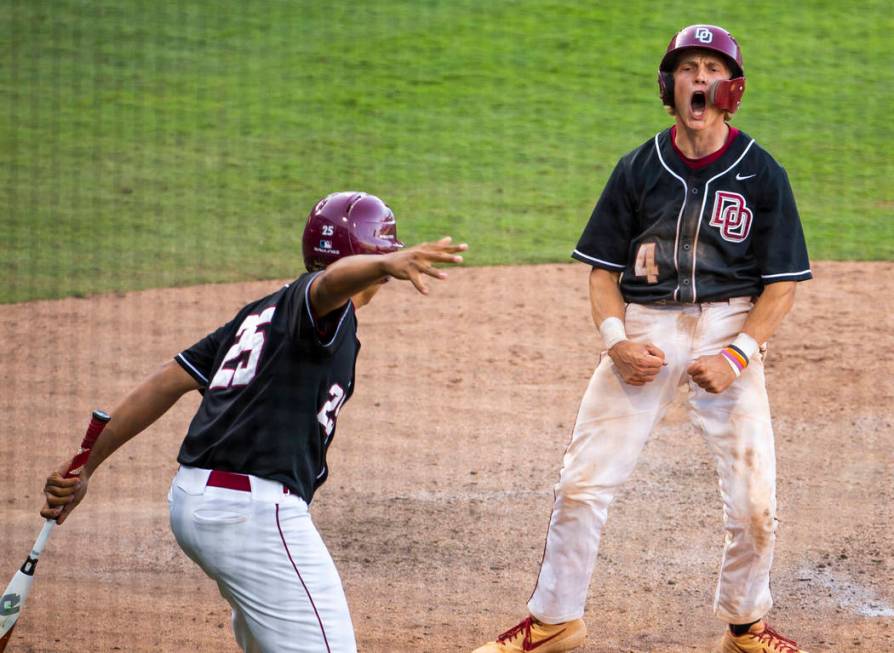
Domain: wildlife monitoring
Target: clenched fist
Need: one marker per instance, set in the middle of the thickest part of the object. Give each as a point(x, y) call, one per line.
point(637, 363)
point(712, 373)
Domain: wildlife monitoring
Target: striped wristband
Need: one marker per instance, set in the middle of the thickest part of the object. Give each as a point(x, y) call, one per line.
point(736, 358)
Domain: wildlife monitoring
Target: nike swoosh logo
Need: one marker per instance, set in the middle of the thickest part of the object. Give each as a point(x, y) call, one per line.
point(741, 178)
point(530, 646)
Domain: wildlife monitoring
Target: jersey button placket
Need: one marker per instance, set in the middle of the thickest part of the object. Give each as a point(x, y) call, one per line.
point(687, 246)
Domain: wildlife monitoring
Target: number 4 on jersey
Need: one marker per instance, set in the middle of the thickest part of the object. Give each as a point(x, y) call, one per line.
point(645, 265)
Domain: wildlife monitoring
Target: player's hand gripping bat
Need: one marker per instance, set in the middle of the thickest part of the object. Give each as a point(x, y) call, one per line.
point(17, 591)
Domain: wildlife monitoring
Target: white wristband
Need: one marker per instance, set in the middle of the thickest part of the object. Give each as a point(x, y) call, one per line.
point(612, 331)
point(747, 344)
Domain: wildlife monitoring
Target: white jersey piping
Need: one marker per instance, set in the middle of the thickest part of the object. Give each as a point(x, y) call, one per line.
point(183, 360)
point(679, 215)
point(599, 260)
point(310, 313)
point(785, 274)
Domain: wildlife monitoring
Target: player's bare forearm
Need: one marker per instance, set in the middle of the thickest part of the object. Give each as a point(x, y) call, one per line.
point(637, 362)
point(143, 406)
point(770, 308)
point(333, 287)
point(605, 296)
point(351, 275)
point(714, 372)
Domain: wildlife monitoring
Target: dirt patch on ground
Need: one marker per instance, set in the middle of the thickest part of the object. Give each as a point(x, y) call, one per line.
point(443, 466)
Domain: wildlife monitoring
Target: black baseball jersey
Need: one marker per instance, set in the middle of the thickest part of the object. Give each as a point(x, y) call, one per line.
point(273, 380)
point(684, 231)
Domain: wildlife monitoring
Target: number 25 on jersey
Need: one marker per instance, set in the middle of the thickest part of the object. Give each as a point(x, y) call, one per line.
point(329, 411)
point(241, 362)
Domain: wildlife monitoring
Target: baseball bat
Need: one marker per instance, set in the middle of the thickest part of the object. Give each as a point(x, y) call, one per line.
point(16, 592)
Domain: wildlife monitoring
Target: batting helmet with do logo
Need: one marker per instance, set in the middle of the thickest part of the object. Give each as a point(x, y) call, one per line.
point(725, 95)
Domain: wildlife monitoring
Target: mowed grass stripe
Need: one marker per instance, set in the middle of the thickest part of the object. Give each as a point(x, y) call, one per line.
point(159, 144)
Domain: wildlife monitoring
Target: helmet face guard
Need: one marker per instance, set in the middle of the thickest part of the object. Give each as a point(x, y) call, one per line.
point(348, 223)
point(726, 95)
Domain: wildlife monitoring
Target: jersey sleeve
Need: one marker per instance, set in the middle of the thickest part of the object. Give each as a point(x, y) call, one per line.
point(198, 360)
point(778, 240)
point(306, 327)
point(606, 238)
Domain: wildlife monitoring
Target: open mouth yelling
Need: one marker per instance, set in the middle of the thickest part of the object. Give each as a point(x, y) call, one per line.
point(697, 105)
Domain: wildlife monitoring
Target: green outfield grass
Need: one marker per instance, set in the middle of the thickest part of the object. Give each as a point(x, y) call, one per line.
point(155, 144)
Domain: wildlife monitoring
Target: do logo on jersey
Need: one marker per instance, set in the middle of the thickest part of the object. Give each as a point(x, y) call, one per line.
point(704, 35)
point(731, 216)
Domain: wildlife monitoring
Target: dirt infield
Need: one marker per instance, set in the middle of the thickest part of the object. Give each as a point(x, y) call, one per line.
point(443, 466)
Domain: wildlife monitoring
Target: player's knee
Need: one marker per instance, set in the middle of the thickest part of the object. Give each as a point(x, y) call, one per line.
point(573, 490)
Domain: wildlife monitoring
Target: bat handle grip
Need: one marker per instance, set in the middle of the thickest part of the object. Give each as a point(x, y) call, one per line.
point(98, 422)
point(41, 540)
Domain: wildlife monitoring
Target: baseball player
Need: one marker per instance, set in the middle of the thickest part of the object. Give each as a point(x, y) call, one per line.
point(273, 381)
point(696, 248)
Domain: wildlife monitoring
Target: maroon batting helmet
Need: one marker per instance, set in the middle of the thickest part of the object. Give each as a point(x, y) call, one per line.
point(343, 224)
point(726, 95)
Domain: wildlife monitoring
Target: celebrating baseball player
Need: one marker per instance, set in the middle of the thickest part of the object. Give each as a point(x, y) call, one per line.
point(273, 381)
point(696, 248)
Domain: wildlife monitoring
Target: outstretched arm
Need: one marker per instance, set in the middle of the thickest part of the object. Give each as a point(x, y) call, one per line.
point(350, 275)
point(638, 363)
point(143, 406)
point(714, 373)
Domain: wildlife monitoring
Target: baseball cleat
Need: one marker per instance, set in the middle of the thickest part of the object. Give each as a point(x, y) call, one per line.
point(531, 635)
point(760, 638)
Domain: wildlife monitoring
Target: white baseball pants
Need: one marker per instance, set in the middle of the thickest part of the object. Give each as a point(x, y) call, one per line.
point(269, 562)
point(613, 424)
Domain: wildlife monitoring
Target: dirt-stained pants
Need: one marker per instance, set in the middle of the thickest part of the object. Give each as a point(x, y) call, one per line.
point(269, 562)
point(613, 424)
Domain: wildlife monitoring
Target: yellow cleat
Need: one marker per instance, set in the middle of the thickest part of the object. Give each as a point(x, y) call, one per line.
point(760, 638)
point(531, 635)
